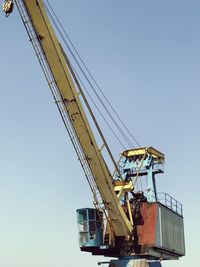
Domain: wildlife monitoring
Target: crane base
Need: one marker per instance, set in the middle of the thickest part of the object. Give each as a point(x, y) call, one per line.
point(134, 263)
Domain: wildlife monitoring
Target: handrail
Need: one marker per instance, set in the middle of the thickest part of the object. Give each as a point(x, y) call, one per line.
point(170, 202)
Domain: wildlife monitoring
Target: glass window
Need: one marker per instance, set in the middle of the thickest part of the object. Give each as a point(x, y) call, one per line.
point(83, 227)
point(83, 238)
point(92, 226)
point(92, 233)
point(91, 215)
point(82, 215)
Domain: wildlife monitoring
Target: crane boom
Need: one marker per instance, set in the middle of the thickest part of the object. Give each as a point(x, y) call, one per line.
point(63, 74)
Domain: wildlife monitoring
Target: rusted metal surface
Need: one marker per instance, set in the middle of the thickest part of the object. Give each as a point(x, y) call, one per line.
point(160, 228)
point(146, 227)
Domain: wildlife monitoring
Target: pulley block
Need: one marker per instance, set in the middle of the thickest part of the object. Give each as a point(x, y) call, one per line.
point(8, 6)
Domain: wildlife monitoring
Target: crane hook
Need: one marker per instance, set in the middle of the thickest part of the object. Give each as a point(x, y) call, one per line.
point(8, 6)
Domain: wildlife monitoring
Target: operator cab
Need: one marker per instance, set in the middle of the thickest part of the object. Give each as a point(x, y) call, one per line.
point(90, 227)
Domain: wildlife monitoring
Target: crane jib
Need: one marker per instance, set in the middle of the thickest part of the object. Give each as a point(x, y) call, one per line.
point(35, 18)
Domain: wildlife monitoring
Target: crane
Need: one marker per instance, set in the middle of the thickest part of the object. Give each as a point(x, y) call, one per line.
point(137, 227)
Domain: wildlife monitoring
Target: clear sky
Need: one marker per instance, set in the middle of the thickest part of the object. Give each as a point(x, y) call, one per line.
point(146, 56)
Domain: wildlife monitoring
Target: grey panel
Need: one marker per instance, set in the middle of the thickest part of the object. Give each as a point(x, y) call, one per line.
point(170, 231)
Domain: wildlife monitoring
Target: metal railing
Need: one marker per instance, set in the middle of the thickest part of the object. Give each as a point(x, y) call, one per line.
point(170, 202)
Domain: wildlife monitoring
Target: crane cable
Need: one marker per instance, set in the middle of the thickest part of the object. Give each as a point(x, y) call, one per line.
point(58, 25)
point(116, 125)
point(98, 109)
point(33, 37)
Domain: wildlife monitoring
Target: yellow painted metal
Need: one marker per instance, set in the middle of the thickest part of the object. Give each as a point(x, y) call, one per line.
point(122, 187)
point(141, 151)
point(125, 185)
point(129, 209)
point(60, 71)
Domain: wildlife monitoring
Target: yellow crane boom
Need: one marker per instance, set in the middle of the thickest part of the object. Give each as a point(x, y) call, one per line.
point(67, 85)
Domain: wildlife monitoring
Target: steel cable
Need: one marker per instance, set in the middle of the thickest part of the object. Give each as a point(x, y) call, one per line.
point(50, 12)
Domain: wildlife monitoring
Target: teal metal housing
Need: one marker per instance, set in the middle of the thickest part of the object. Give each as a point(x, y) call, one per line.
point(90, 227)
point(138, 166)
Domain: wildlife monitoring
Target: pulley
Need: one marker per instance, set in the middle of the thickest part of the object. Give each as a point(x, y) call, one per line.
point(8, 6)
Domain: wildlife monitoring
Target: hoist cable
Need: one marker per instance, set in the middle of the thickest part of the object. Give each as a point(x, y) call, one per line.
point(114, 121)
point(112, 118)
point(55, 92)
point(96, 106)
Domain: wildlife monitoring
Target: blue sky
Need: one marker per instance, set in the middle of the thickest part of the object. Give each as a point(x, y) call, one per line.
point(146, 57)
